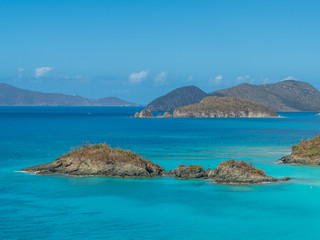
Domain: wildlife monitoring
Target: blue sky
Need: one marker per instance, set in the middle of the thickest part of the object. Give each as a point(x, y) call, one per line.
point(138, 50)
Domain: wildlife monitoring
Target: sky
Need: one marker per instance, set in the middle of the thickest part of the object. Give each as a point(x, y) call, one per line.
point(139, 50)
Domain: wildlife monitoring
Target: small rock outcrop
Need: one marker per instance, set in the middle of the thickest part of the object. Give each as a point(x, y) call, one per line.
point(307, 152)
point(145, 113)
point(230, 172)
point(240, 172)
point(99, 160)
point(224, 107)
point(167, 115)
point(189, 172)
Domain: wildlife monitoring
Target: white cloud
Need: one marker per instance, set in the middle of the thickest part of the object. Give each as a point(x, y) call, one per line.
point(160, 78)
point(216, 81)
point(138, 77)
point(219, 77)
point(42, 71)
point(290, 78)
point(243, 78)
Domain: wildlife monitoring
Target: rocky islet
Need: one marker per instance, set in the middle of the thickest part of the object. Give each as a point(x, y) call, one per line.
point(307, 152)
point(216, 107)
point(103, 160)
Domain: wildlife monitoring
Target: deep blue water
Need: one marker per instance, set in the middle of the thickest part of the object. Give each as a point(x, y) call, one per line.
point(61, 207)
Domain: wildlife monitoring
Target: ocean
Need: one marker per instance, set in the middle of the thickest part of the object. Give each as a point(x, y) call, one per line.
point(64, 207)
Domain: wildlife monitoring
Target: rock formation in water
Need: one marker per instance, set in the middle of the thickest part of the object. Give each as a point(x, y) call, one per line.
point(307, 152)
point(232, 172)
point(145, 113)
point(239, 172)
point(167, 115)
point(100, 160)
point(224, 107)
point(189, 172)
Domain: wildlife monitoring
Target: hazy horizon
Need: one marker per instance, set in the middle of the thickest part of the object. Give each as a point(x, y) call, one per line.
point(125, 99)
point(139, 50)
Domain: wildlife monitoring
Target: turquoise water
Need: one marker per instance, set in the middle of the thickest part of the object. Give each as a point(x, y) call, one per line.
point(61, 207)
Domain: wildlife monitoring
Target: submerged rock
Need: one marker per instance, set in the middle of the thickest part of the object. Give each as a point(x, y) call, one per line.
point(240, 172)
point(145, 113)
point(189, 172)
point(307, 152)
point(100, 160)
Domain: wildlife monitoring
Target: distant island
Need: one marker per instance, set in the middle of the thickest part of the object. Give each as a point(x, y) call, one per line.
point(216, 107)
point(177, 98)
point(102, 160)
point(289, 95)
point(307, 152)
point(13, 96)
point(224, 107)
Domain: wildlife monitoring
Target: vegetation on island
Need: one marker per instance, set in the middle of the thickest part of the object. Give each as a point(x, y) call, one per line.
point(189, 172)
point(102, 160)
point(195, 168)
point(248, 167)
point(226, 104)
point(307, 152)
point(224, 107)
point(102, 152)
point(240, 172)
point(307, 148)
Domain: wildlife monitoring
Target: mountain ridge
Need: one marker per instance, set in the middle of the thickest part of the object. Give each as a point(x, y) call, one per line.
point(14, 96)
point(288, 95)
point(178, 97)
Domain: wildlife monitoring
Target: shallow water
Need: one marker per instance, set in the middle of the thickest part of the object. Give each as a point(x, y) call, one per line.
point(62, 207)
